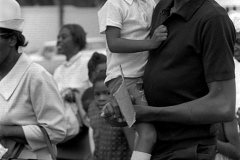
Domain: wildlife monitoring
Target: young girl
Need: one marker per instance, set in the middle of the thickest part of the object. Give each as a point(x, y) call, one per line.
point(110, 142)
point(126, 24)
point(96, 64)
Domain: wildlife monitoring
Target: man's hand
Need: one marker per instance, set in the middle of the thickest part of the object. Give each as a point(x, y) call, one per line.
point(112, 114)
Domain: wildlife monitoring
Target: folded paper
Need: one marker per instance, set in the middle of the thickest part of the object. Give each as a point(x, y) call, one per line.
point(2, 150)
point(124, 101)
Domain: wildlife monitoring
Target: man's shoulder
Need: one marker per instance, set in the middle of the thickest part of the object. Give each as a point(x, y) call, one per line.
point(212, 8)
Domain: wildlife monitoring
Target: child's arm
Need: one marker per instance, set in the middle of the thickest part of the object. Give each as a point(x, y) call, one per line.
point(116, 44)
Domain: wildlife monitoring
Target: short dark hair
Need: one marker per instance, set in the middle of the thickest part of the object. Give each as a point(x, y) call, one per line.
point(96, 59)
point(21, 41)
point(87, 97)
point(78, 34)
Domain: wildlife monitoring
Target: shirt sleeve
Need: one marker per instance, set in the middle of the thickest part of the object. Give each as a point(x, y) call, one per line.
point(153, 3)
point(218, 48)
point(109, 15)
point(49, 111)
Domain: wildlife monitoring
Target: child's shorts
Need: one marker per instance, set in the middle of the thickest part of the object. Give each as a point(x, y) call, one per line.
point(134, 86)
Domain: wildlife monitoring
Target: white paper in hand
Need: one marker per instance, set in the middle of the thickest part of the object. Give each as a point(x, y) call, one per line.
point(124, 101)
point(2, 150)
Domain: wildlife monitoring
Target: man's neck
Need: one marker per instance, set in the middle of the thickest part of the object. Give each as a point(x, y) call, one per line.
point(178, 4)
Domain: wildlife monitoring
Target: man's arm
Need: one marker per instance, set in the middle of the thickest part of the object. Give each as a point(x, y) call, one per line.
point(217, 106)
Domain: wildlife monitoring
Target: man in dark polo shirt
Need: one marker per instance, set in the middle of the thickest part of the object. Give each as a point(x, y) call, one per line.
point(189, 80)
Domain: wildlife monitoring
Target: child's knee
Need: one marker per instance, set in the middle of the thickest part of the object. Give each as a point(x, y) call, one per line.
point(151, 137)
point(147, 134)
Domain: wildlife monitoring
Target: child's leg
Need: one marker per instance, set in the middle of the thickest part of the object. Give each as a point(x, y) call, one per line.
point(145, 141)
point(147, 135)
point(146, 132)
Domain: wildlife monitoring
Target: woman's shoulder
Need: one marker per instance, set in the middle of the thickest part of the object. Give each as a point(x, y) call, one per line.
point(37, 69)
point(36, 73)
point(31, 68)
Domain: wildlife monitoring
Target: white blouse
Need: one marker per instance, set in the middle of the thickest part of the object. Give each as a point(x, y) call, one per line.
point(73, 73)
point(29, 96)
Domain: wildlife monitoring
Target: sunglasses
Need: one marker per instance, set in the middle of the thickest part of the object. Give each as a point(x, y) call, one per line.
point(2, 34)
point(5, 34)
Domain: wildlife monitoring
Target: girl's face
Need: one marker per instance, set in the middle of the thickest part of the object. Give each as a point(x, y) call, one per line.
point(65, 43)
point(237, 47)
point(101, 94)
point(99, 68)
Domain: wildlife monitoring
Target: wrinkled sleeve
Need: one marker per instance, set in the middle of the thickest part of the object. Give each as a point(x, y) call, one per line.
point(109, 15)
point(49, 110)
point(218, 48)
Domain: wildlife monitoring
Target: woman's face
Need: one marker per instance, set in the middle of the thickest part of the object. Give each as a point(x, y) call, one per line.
point(5, 49)
point(101, 94)
point(65, 43)
point(237, 47)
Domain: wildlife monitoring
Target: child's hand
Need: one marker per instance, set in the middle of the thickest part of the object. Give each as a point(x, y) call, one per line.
point(68, 95)
point(160, 34)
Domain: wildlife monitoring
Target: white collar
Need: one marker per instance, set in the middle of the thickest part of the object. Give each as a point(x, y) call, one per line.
point(72, 59)
point(129, 2)
point(10, 82)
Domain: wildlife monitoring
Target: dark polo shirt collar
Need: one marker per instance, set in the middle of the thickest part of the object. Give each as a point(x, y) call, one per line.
point(186, 11)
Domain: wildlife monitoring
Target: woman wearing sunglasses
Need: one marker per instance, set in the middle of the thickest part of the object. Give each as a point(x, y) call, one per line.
point(28, 94)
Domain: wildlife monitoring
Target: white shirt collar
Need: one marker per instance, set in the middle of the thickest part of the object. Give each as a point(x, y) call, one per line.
point(129, 1)
point(72, 59)
point(10, 82)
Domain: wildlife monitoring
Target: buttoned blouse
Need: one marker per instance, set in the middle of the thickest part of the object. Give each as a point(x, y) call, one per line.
point(73, 73)
point(29, 96)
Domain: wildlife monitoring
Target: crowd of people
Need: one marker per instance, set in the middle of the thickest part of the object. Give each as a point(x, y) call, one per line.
point(179, 70)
